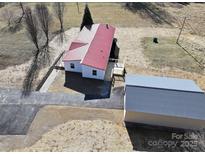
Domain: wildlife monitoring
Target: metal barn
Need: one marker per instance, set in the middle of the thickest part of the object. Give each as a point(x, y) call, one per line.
point(164, 101)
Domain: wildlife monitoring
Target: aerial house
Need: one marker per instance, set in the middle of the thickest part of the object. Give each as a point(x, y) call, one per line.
point(89, 52)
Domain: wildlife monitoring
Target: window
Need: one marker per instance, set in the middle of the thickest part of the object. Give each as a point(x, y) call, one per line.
point(72, 65)
point(95, 72)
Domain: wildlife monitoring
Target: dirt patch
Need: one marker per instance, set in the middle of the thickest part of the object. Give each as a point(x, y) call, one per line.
point(78, 135)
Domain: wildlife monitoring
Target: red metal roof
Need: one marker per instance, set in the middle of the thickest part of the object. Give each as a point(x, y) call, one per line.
point(93, 46)
point(75, 54)
point(75, 45)
point(79, 47)
point(99, 51)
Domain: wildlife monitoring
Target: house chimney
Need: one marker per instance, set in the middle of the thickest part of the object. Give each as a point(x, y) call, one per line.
point(107, 26)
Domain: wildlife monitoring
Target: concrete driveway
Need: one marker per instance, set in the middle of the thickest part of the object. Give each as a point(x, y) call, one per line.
point(16, 119)
point(17, 113)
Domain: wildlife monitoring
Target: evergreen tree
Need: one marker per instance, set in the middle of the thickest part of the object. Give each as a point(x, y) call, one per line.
point(87, 18)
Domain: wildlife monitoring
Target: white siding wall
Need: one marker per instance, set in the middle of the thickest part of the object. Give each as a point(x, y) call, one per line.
point(163, 107)
point(78, 66)
point(162, 120)
point(88, 72)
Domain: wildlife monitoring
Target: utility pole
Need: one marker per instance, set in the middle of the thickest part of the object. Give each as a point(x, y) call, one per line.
point(181, 29)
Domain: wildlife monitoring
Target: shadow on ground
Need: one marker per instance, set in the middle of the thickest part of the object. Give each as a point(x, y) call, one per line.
point(164, 139)
point(91, 88)
point(150, 10)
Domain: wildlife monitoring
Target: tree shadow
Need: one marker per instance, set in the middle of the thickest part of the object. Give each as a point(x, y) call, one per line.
point(31, 76)
point(38, 62)
point(184, 3)
point(200, 63)
point(59, 35)
point(156, 14)
point(13, 28)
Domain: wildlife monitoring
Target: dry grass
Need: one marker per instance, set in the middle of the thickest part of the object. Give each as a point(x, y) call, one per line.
point(12, 51)
point(167, 53)
point(195, 13)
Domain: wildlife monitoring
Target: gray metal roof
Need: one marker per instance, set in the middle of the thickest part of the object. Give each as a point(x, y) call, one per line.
point(161, 83)
point(182, 104)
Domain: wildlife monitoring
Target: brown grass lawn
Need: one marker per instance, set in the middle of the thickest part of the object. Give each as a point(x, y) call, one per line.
point(15, 49)
point(169, 54)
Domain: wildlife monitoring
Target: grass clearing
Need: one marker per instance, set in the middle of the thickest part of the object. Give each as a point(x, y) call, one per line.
point(168, 54)
point(15, 49)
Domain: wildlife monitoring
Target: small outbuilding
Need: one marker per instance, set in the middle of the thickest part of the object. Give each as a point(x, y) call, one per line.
point(164, 101)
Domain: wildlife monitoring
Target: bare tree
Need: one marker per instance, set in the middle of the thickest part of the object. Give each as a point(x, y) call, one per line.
point(8, 15)
point(32, 29)
point(31, 76)
point(44, 19)
point(22, 13)
point(59, 11)
point(40, 56)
